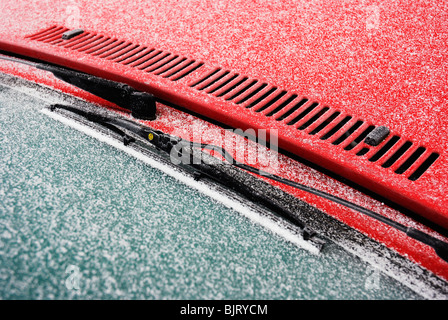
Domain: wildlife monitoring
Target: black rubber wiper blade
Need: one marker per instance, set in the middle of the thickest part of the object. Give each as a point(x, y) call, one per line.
point(440, 247)
point(93, 117)
point(166, 143)
point(159, 139)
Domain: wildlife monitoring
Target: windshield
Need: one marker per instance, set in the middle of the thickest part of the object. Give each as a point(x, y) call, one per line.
point(81, 219)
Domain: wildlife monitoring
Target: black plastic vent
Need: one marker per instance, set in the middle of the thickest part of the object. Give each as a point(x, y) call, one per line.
point(317, 120)
point(147, 59)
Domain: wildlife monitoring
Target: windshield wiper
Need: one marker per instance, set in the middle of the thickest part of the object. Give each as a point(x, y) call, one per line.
point(142, 106)
point(166, 143)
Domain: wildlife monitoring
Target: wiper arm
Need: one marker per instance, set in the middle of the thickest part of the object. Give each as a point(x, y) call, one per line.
point(141, 104)
point(166, 143)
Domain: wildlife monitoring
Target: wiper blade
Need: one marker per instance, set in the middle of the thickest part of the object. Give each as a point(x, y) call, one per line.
point(166, 143)
point(157, 138)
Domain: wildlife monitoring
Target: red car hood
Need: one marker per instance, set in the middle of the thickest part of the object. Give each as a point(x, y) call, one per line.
point(323, 74)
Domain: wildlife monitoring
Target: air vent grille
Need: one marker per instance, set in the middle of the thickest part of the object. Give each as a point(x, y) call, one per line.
point(323, 122)
point(146, 59)
point(397, 154)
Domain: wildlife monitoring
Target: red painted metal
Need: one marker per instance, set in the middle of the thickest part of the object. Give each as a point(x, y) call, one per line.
point(383, 64)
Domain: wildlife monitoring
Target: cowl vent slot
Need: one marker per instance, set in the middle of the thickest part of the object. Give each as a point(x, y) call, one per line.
point(151, 60)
